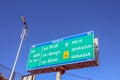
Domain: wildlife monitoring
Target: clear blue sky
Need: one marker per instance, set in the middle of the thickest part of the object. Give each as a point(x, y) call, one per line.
point(53, 19)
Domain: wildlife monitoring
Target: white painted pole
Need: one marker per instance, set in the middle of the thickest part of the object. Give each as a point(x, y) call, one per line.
point(59, 73)
point(58, 76)
point(18, 52)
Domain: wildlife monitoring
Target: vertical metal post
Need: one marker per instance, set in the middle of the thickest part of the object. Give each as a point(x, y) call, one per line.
point(59, 73)
point(33, 76)
point(28, 77)
point(23, 35)
point(58, 76)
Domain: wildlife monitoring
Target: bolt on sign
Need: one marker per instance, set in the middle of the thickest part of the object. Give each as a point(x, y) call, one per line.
point(68, 50)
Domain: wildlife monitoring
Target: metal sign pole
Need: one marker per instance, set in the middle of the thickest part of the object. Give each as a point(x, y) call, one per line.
point(59, 73)
point(28, 77)
point(58, 76)
point(23, 35)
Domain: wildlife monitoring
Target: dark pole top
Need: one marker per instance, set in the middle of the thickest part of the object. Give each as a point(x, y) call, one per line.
point(24, 22)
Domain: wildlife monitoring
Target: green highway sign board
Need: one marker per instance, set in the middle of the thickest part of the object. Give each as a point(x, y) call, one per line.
point(69, 50)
